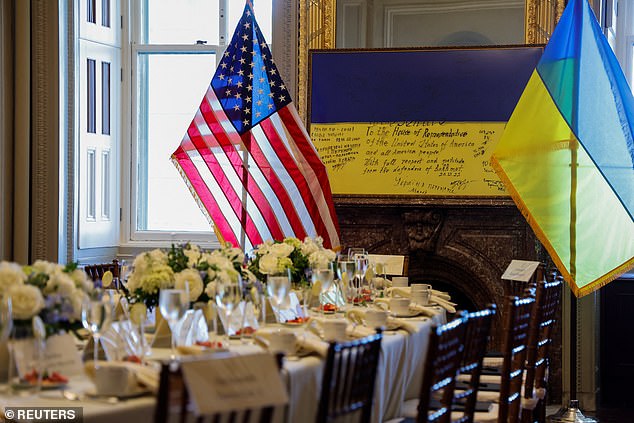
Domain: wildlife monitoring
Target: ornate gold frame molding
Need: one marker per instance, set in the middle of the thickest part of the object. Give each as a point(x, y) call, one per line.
point(317, 21)
point(541, 16)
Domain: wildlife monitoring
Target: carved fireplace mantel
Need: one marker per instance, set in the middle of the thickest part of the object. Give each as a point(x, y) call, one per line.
point(459, 245)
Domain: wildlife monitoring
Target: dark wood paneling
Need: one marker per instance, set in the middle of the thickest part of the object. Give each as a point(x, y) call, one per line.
point(617, 343)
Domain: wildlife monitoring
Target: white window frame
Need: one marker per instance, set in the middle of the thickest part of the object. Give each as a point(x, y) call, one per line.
point(130, 237)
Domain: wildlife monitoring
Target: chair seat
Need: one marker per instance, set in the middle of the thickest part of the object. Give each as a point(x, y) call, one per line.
point(490, 416)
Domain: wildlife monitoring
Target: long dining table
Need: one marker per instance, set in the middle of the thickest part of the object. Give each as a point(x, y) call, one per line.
point(398, 378)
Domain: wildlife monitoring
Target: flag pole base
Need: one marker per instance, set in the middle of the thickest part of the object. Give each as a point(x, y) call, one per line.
point(572, 413)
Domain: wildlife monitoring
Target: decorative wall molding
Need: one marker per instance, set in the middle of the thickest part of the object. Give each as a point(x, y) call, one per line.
point(285, 42)
point(44, 129)
point(392, 13)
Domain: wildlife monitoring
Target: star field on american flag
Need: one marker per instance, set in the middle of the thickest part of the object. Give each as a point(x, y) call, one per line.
point(247, 82)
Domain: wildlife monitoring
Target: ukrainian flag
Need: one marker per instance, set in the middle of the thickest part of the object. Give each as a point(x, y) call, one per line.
point(567, 154)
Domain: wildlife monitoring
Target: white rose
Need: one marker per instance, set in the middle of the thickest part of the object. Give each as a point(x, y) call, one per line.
point(281, 250)
point(81, 280)
point(26, 301)
point(47, 267)
point(10, 274)
point(61, 283)
point(192, 254)
point(191, 278)
point(268, 264)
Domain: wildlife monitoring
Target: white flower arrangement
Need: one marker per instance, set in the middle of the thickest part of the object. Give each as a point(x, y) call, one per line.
point(299, 256)
point(181, 266)
point(50, 290)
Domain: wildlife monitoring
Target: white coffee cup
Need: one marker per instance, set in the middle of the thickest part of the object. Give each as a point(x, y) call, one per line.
point(114, 380)
point(282, 341)
point(376, 318)
point(400, 306)
point(400, 281)
point(334, 329)
point(421, 293)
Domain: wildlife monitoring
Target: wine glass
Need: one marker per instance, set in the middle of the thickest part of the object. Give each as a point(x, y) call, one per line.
point(323, 277)
point(361, 283)
point(345, 271)
point(278, 286)
point(228, 297)
point(95, 316)
point(353, 252)
point(172, 304)
point(253, 301)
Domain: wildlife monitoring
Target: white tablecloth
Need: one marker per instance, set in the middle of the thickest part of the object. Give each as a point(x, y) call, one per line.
point(398, 378)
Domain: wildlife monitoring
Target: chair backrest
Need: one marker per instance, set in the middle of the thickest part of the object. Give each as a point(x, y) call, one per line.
point(543, 319)
point(96, 271)
point(173, 401)
point(444, 354)
point(348, 380)
point(475, 346)
point(516, 327)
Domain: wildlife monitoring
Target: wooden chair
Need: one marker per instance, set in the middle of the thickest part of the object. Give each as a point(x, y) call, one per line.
point(348, 381)
point(476, 341)
point(516, 329)
point(173, 402)
point(444, 355)
point(547, 300)
point(96, 271)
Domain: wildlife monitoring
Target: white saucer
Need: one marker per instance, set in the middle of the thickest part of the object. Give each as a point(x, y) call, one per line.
point(410, 313)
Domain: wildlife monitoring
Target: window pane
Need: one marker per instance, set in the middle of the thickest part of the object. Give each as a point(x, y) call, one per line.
point(91, 186)
point(91, 97)
point(105, 13)
point(105, 180)
point(182, 22)
point(90, 11)
point(263, 14)
point(105, 98)
point(170, 89)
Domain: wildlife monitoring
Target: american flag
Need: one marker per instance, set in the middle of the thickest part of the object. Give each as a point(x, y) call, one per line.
point(247, 157)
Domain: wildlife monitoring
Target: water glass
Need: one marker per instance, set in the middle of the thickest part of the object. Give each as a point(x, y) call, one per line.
point(278, 286)
point(95, 316)
point(322, 279)
point(172, 304)
point(228, 297)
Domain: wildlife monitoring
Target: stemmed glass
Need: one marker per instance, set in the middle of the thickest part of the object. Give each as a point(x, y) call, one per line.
point(278, 286)
point(345, 272)
point(228, 297)
point(253, 301)
point(172, 304)
point(323, 277)
point(95, 316)
point(361, 283)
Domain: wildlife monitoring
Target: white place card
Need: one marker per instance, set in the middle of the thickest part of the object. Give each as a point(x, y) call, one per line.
point(393, 264)
point(224, 384)
point(520, 270)
point(61, 355)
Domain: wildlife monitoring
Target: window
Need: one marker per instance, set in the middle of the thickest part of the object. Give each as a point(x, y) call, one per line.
point(173, 56)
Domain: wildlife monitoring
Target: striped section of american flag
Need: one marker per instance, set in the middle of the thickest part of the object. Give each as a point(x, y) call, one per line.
point(247, 157)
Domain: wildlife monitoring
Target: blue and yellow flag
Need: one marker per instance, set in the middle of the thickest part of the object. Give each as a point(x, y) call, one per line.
point(567, 154)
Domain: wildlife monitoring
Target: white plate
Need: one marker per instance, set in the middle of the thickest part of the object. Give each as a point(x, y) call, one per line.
point(139, 392)
point(45, 385)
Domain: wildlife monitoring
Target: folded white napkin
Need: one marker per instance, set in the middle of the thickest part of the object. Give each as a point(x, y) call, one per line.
point(146, 376)
point(359, 331)
point(393, 322)
point(312, 344)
